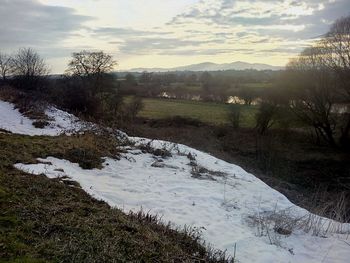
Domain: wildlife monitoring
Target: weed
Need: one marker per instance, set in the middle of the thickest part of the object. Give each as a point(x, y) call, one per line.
point(163, 152)
point(277, 223)
point(201, 172)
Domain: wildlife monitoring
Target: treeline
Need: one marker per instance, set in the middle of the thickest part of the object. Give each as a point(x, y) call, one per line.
point(207, 86)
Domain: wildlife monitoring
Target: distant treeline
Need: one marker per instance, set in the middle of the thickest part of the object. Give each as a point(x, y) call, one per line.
point(208, 86)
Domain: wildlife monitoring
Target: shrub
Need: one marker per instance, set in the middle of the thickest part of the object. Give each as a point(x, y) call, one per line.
point(28, 103)
point(87, 158)
point(265, 117)
point(40, 124)
point(234, 115)
point(134, 107)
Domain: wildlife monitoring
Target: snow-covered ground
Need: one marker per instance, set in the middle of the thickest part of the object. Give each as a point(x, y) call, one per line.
point(220, 199)
point(60, 122)
point(221, 207)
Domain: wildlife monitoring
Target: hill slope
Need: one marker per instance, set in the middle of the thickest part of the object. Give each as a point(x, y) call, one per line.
point(231, 208)
point(209, 66)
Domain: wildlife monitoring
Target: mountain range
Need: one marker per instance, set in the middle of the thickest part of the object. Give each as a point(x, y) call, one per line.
point(209, 66)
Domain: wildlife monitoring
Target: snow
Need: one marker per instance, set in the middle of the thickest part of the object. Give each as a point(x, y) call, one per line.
point(60, 122)
point(220, 203)
point(219, 207)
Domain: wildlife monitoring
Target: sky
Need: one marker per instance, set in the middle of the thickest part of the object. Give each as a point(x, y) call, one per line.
point(167, 33)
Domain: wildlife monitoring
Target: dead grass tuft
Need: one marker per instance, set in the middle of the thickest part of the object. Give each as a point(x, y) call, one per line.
point(278, 223)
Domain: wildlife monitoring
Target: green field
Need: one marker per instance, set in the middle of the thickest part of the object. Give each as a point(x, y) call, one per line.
point(208, 112)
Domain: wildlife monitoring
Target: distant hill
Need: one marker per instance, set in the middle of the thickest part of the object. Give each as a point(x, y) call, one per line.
point(209, 66)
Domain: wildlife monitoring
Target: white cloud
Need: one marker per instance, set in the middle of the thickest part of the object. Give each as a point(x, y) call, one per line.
point(152, 32)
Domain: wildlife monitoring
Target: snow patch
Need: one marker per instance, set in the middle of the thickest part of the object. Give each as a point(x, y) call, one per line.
point(60, 122)
point(217, 197)
point(220, 208)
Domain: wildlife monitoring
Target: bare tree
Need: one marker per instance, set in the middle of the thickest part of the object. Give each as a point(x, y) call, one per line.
point(91, 66)
point(323, 76)
point(336, 46)
point(134, 107)
point(313, 86)
point(5, 65)
point(29, 69)
point(234, 115)
point(265, 116)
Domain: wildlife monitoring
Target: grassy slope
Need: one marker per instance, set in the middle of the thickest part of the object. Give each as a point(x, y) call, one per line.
point(46, 220)
point(208, 112)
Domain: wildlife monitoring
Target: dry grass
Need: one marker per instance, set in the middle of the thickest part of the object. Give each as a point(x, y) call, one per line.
point(147, 147)
point(278, 223)
point(201, 172)
point(85, 149)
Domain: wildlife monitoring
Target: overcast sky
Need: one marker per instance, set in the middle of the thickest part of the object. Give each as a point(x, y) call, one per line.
point(167, 33)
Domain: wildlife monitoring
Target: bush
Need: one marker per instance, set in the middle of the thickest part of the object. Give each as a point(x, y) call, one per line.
point(265, 117)
point(234, 115)
point(134, 107)
point(29, 104)
point(40, 124)
point(10, 94)
point(87, 158)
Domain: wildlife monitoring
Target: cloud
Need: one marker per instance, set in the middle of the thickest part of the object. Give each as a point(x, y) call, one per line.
point(246, 27)
point(160, 45)
point(31, 23)
point(124, 32)
point(285, 18)
point(252, 29)
point(157, 41)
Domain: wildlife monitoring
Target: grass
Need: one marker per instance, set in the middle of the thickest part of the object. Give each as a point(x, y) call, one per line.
point(86, 149)
point(45, 220)
point(207, 112)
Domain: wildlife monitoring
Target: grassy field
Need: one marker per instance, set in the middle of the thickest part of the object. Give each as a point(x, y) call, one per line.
point(208, 112)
